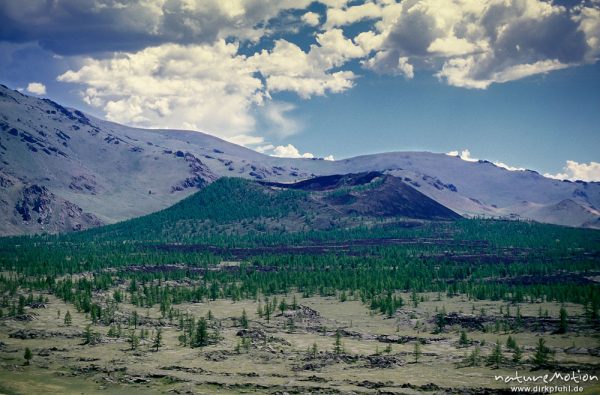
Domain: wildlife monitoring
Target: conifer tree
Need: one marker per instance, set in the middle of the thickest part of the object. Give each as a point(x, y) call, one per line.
point(27, 356)
point(68, 320)
point(417, 351)
point(496, 357)
point(337, 348)
point(157, 339)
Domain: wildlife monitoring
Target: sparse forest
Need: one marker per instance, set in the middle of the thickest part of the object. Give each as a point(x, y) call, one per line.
point(238, 272)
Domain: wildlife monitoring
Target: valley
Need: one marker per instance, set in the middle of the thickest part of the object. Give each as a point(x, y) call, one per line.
point(287, 290)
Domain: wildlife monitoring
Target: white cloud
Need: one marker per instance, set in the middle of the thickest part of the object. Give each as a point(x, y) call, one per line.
point(289, 151)
point(464, 155)
point(36, 88)
point(275, 113)
point(508, 167)
point(264, 148)
point(213, 88)
point(287, 68)
point(452, 46)
point(202, 87)
point(406, 68)
point(345, 16)
point(64, 26)
point(369, 41)
point(246, 140)
point(311, 18)
point(475, 43)
point(578, 171)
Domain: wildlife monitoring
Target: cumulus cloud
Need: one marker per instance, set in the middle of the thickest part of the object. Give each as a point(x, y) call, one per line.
point(287, 67)
point(215, 65)
point(578, 171)
point(464, 155)
point(475, 43)
point(263, 149)
point(36, 88)
point(348, 15)
point(289, 151)
point(311, 18)
point(201, 87)
point(212, 87)
point(85, 26)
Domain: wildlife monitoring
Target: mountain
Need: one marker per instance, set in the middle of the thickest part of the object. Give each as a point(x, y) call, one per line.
point(63, 170)
point(242, 207)
point(372, 195)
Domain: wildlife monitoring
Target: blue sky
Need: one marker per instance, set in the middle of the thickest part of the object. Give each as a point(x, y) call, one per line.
point(515, 83)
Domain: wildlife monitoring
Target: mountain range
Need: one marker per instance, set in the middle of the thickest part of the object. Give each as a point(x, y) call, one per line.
point(63, 170)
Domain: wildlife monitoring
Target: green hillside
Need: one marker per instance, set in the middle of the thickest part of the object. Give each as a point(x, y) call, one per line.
point(227, 201)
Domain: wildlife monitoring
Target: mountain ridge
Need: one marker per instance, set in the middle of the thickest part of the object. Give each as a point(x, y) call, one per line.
point(63, 170)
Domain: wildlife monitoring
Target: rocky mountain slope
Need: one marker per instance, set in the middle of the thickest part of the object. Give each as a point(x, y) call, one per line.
point(371, 195)
point(62, 170)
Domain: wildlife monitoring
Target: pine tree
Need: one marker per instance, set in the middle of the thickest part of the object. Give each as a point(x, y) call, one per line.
point(474, 358)
point(134, 341)
point(112, 331)
point(282, 306)
point(496, 357)
point(89, 336)
point(517, 354)
point(244, 319)
point(440, 322)
point(134, 319)
point(314, 350)
point(183, 339)
point(201, 339)
point(21, 306)
point(511, 343)
point(562, 327)
point(542, 353)
point(68, 320)
point(267, 312)
point(337, 348)
point(464, 340)
point(28, 356)
point(157, 339)
point(417, 351)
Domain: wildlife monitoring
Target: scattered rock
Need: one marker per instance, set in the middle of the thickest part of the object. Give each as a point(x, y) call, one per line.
point(383, 361)
point(184, 369)
point(217, 356)
point(24, 334)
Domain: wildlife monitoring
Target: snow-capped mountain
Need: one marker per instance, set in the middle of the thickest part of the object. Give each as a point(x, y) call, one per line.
point(63, 170)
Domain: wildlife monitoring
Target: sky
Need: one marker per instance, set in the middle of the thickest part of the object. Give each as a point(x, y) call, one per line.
point(516, 82)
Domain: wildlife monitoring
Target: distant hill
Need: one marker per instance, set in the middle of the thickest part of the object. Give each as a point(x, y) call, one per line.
point(236, 206)
point(62, 170)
